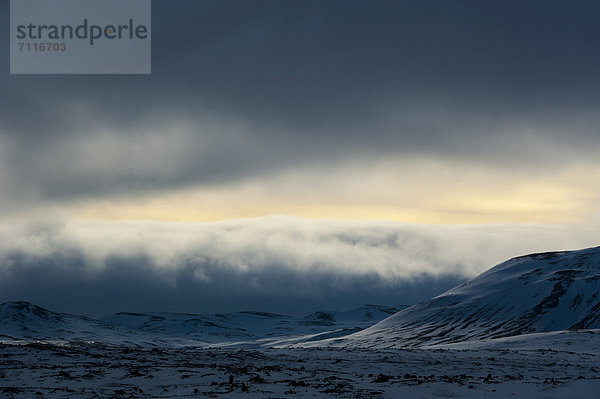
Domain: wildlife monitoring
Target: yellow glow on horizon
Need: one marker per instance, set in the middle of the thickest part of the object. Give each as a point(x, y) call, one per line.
point(429, 193)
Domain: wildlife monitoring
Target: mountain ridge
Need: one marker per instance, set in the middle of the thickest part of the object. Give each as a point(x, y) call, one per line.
point(20, 320)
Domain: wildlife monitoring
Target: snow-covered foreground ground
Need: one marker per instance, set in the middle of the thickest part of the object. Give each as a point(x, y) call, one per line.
point(95, 371)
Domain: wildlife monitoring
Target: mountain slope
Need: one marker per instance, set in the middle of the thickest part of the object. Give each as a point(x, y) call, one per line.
point(25, 321)
point(535, 293)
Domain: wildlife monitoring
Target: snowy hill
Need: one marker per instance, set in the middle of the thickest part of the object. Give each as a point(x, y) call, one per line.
point(25, 321)
point(529, 294)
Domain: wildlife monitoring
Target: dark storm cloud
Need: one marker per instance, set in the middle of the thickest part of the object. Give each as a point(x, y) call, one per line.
point(126, 284)
point(242, 88)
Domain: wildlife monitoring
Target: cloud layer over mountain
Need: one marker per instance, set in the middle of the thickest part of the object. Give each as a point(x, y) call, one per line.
point(277, 264)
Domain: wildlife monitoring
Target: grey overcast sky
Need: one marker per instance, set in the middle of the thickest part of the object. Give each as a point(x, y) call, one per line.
point(478, 113)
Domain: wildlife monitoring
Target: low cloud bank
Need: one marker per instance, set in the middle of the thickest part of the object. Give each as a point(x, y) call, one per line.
point(275, 264)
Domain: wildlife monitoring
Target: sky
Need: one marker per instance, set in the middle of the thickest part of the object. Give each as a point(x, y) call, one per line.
point(296, 155)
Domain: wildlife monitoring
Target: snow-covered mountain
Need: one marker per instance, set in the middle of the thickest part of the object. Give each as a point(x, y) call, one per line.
point(542, 292)
point(25, 321)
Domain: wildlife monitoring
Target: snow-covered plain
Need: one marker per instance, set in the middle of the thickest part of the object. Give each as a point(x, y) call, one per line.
point(527, 328)
point(96, 371)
